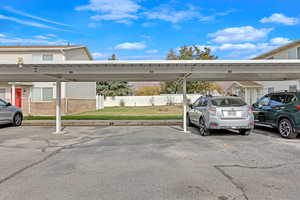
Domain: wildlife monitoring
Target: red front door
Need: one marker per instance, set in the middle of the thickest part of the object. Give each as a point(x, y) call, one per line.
point(18, 97)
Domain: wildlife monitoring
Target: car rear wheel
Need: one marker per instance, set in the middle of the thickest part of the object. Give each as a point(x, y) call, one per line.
point(245, 131)
point(204, 131)
point(17, 120)
point(286, 129)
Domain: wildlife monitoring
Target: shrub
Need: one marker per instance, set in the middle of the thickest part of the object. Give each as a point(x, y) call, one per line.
point(148, 91)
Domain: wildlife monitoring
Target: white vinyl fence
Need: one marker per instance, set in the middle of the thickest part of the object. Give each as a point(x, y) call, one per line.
point(168, 99)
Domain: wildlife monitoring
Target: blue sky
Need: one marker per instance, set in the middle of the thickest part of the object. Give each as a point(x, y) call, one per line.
point(147, 29)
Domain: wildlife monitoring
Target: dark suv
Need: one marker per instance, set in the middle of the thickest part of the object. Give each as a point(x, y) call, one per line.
point(280, 110)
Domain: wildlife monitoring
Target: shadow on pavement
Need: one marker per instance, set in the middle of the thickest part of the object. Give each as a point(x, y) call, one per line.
point(5, 126)
point(271, 132)
point(195, 131)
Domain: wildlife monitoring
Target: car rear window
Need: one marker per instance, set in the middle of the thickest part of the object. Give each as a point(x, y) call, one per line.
point(228, 102)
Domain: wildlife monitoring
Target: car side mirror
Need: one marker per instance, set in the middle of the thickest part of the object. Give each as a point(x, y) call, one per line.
point(8, 104)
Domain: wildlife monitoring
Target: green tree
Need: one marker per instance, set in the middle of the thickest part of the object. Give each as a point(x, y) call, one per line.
point(113, 57)
point(191, 53)
point(113, 88)
point(172, 55)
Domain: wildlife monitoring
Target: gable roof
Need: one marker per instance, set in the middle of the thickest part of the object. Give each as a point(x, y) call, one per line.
point(279, 49)
point(248, 83)
point(244, 84)
point(43, 48)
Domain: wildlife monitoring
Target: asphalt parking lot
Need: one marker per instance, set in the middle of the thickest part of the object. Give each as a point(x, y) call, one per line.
point(146, 163)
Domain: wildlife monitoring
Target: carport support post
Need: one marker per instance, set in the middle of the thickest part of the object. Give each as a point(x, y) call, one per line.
point(13, 94)
point(184, 106)
point(58, 107)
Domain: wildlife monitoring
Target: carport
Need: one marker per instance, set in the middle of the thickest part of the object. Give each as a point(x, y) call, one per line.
point(163, 70)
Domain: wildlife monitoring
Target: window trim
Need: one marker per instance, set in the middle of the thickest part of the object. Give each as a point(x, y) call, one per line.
point(47, 54)
point(42, 90)
point(292, 86)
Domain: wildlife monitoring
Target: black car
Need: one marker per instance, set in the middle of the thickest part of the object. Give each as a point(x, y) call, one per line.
point(280, 110)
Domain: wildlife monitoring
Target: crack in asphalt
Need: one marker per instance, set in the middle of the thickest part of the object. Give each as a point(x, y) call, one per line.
point(238, 185)
point(230, 178)
point(69, 146)
point(82, 140)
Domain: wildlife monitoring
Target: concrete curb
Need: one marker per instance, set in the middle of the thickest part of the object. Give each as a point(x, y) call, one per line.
point(104, 123)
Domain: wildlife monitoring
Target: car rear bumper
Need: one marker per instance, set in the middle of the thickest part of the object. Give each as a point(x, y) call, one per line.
point(231, 124)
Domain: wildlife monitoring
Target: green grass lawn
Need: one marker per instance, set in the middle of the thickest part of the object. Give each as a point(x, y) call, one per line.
point(123, 113)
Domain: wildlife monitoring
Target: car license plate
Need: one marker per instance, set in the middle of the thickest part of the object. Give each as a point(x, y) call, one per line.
point(229, 113)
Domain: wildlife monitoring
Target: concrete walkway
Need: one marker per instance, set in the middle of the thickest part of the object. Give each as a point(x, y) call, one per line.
point(104, 122)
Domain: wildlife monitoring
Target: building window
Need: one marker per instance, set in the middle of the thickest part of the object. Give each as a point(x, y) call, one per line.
point(2, 93)
point(41, 94)
point(298, 53)
point(271, 89)
point(47, 57)
point(293, 88)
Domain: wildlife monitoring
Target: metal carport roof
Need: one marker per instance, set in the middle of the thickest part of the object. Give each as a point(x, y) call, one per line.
point(163, 70)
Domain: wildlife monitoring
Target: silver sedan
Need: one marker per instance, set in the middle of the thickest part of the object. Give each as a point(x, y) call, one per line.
point(211, 113)
point(10, 114)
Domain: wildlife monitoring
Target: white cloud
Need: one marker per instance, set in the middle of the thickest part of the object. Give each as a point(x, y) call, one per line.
point(10, 9)
point(42, 37)
point(244, 50)
point(169, 14)
point(94, 25)
point(152, 51)
point(29, 23)
point(280, 41)
point(29, 41)
point(280, 19)
point(144, 57)
point(51, 35)
point(131, 46)
point(116, 10)
point(2, 35)
point(239, 34)
point(242, 46)
point(99, 55)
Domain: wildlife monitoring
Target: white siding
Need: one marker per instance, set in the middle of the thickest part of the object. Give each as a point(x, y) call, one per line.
point(27, 56)
point(287, 54)
point(282, 85)
point(74, 90)
point(278, 85)
point(81, 90)
point(76, 54)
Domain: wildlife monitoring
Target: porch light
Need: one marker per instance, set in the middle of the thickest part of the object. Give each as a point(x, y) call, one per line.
point(20, 62)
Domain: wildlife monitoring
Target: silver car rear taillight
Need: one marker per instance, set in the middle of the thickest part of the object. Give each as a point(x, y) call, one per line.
point(212, 111)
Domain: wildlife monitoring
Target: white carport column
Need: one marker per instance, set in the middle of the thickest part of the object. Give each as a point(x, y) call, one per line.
point(58, 107)
point(13, 94)
point(184, 106)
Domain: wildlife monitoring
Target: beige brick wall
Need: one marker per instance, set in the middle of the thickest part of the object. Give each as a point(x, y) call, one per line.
point(71, 106)
point(80, 105)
